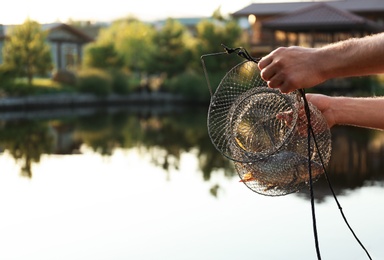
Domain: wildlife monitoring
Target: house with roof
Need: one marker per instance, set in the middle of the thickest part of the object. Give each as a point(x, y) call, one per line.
point(66, 43)
point(310, 24)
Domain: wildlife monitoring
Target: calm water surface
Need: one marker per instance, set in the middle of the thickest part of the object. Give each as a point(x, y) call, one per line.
point(147, 184)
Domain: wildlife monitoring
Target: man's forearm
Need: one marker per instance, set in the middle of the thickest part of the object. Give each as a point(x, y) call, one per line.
point(362, 112)
point(354, 57)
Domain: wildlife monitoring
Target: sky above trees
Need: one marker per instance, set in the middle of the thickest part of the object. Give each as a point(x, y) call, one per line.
point(44, 11)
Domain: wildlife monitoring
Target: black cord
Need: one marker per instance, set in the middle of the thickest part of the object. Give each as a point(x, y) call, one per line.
point(309, 130)
point(312, 133)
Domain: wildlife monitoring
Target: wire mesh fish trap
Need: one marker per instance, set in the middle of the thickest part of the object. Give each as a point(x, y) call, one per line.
point(264, 132)
point(278, 142)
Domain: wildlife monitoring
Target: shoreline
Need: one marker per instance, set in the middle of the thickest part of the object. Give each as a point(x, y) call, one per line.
point(63, 105)
point(78, 99)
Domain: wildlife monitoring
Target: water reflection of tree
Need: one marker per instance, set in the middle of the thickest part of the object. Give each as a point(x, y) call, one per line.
point(26, 141)
point(356, 156)
point(164, 137)
point(101, 131)
point(181, 133)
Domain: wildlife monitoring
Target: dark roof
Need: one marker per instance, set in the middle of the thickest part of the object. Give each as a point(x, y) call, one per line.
point(271, 8)
point(52, 27)
point(359, 5)
point(321, 16)
point(279, 8)
point(62, 26)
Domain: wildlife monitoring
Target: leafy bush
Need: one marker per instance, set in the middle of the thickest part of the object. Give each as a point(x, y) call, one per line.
point(7, 73)
point(102, 56)
point(16, 89)
point(134, 82)
point(191, 85)
point(94, 81)
point(120, 83)
point(64, 76)
point(20, 87)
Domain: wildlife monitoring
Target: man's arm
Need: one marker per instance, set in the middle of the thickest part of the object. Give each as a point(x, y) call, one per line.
point(354, 57)
point(361, 112)
point(297, 67)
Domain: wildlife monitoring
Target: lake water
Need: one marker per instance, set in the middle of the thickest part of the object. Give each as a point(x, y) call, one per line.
point(146, 183)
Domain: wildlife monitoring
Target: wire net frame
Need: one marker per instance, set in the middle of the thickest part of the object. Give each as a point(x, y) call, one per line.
point(260, 130)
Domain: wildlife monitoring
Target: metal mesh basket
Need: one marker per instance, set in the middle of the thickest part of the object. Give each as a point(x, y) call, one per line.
point(264, 132)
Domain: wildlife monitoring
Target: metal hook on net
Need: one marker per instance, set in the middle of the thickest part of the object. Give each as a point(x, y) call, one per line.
point(240, 51)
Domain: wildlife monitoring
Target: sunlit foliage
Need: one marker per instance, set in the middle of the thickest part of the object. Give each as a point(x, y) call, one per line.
point(170, 52)
point(210, 35)
point(131, 39)
point(26, 50)
point(102, 56)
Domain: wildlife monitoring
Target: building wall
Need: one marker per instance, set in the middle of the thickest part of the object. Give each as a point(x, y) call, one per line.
point(66, 47)
point(263, 41)
point(66, 55)
point(2, 34)
point(1, 51)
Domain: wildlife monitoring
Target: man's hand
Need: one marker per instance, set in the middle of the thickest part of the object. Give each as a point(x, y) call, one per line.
point(291, 68)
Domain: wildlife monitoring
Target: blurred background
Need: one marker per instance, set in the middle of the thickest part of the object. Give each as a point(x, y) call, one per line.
point(104, 150)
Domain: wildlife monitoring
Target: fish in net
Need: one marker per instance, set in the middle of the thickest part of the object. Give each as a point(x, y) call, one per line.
point(264, 132)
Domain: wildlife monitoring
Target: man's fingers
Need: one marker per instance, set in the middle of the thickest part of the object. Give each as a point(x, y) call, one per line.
point(267, 74)
point(264, 62)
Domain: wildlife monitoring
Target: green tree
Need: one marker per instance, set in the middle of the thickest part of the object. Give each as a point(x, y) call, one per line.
point(131, 40)
point(27, 51)
point(102, 56)
point(170, 55)
point(210, 35)
point(218, 15)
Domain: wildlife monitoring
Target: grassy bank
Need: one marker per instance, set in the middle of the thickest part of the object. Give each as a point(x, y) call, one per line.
point(189, 85)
